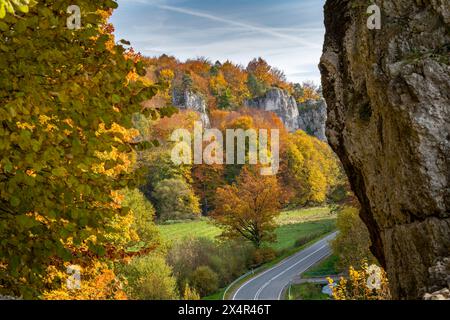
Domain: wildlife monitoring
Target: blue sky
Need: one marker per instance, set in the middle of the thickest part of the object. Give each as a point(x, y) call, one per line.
point(287, 33)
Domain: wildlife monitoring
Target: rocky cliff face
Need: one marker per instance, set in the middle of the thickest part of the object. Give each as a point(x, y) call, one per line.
point(310, 116)
point(313, 117)
point(192, 101)
point(388, 96)
point(281, 103)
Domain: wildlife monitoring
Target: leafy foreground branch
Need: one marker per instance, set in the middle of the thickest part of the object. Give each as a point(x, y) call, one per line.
point(66, 143)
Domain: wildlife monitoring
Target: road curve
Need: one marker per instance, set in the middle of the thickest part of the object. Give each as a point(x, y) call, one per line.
point(269, 285)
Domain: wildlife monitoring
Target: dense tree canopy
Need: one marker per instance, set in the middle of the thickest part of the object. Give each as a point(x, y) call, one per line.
point(66, 140)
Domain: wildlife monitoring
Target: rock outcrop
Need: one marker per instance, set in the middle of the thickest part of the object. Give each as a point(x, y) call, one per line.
point(388, 97)
point(313, 117)
point(443, 294)
point(281, 103)
point(192, 101)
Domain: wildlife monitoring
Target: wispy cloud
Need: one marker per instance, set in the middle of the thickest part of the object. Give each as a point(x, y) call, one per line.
point(246, 26)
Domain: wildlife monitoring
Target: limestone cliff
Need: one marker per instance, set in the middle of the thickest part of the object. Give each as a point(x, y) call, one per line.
point(193, 101)
point(281, 103)
point(313, 117)
point(388, 97)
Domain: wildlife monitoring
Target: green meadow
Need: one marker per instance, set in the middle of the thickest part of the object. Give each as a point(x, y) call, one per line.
point(294, 226)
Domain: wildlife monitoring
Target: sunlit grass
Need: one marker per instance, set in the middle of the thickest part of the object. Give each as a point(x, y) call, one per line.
point(306, 291)
point(293, 224)
point(305, 215)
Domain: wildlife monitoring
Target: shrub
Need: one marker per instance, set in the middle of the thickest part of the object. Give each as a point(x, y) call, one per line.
point(175, 200)
point(352, 244)
point(204, 280)
point(150, 278)
point(263, 255)
point(143, 214)
point(306, 239)
point(190, 293)
point(227, 260)
point(367, 283)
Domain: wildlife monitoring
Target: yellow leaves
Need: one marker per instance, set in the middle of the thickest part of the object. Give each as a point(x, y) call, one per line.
point(117, 130)
point(309, 94)
point(190, 293)
point(357, 286)
point(31, 173)
point(25, 126)
point(132, 76)
point(318, 185)
point(166, 75)
point(312, 166)
point(43, 119)
point(105, 14)
point(243, 122)
point(122, 231)
point(98, 282)
point(117, 196)
point(68, 122)
point(123, 162)
point(49, 141)
point(118, 162)
point(218, 83)
point(254, 200)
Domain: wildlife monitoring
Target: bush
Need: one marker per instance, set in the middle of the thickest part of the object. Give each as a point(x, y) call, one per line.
point(175, 200)
point(150, 278)
point(227, 260)
point(136, 229)
point(306, 239)
point(263, 255)
point(352, 244)
point(144, 216)
point(190, 294)
point(367, 283)
point(204, 280)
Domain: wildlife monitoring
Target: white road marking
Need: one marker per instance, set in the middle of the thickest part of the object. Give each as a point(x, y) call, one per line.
point(263, 273)
point(326, 239)
point(284, 271)
point(326, 255)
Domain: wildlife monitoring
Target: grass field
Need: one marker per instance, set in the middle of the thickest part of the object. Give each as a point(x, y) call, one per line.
point(292, 225)
point(304, 215)
point(306, 291)
point(288, 235)
point(324, 268)
point(200, 228)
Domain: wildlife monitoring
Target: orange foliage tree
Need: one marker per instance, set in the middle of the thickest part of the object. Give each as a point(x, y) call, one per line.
point(248, 208)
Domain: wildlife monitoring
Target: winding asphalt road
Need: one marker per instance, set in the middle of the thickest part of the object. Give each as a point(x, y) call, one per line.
point(270, 284)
